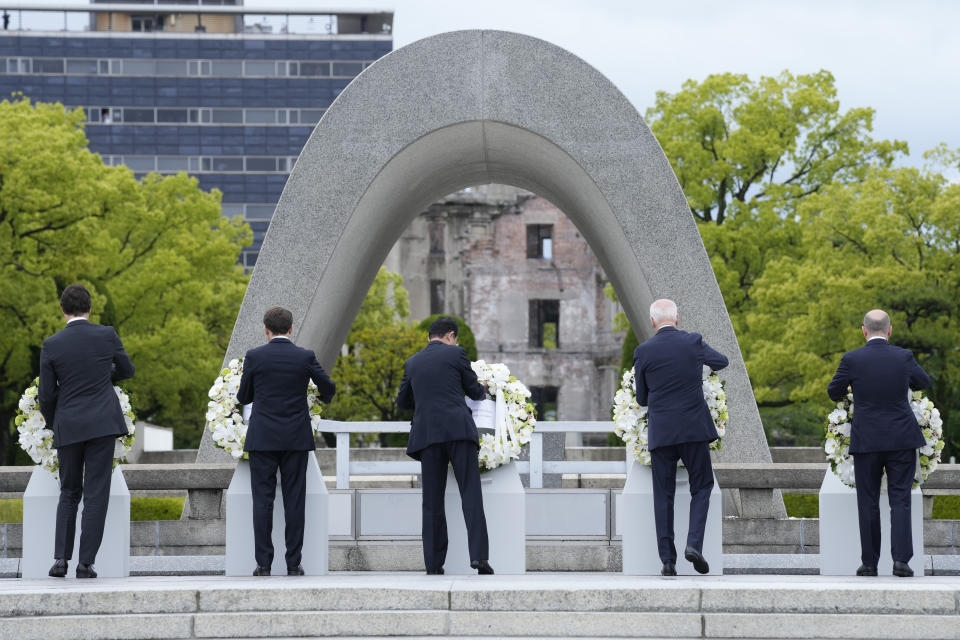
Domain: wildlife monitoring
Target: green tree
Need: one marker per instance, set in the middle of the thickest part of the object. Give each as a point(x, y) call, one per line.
point(465, 337)
point(748, 153)
point(159, 259)
point(369, 372)
point(890, 241)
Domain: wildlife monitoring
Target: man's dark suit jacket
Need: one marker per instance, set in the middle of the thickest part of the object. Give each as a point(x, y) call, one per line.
point(881, 375)
point(78, 366)
point(434, 383)
point(275, 379)
point(669, 381)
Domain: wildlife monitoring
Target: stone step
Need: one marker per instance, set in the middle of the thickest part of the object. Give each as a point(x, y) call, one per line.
point(472, 623)
point(534, 605)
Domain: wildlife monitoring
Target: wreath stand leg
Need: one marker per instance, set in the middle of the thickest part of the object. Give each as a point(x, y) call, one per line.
point(240, 559)
point(40, 501)
point(504, 504)
point(840, 530)
point(639, 532)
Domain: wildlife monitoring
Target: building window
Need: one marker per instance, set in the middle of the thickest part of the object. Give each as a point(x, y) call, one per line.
point(545, 400)
point(438, 296)
point(540, 241)
point(436, 230)
point(545, 323)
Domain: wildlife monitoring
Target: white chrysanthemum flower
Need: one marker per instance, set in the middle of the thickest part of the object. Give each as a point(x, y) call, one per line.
point(521, 420)
point(37, 440)
point(630, 419)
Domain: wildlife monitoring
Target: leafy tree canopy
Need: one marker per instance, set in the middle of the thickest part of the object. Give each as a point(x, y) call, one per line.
point(369, 371)
point(159, 259)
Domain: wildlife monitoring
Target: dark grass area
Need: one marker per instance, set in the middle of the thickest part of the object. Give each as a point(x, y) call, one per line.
point(140, 509)
point(806, 505)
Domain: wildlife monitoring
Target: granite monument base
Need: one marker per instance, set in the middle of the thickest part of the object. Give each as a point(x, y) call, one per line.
point(240, 559)
point(639, 531)
point(39, 525)
point(840, 530)
point(504, 505)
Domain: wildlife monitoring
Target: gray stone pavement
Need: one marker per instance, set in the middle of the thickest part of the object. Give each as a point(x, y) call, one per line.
point(595, 605)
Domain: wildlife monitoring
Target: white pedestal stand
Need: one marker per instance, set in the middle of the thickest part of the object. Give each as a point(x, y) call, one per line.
point(240, 560)
point(640, 556)
point(840, 530)
point(40, 501)
point(504, 505)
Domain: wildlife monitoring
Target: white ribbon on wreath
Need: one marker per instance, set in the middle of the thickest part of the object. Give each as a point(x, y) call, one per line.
point(513, 415)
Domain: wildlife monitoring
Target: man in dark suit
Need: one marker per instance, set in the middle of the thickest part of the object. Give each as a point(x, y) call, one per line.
point(279, 436)
point(669, 379)
point(443, 432)
point(884, 435)
point(78, 366)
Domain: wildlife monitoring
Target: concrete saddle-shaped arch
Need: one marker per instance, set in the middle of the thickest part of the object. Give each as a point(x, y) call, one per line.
point(476, 107)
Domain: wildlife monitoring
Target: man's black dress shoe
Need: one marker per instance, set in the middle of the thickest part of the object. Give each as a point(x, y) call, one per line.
point(59, 569)
point(864, 570)
point(435, 572)
point(669, 569)
point(699, 562)
point(482, 566)
point(261, 571)
point(86, 571)
point(902, 570)
point(295, 571)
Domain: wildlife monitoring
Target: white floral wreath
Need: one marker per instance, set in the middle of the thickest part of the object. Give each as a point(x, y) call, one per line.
point(630, 419)
point(225, 415)
point(836, 442)
point(37, 440)
point(504, 445)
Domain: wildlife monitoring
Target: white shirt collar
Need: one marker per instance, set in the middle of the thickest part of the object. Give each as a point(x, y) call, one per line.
point(876, 338)
point(77, 318)
point(287, 338)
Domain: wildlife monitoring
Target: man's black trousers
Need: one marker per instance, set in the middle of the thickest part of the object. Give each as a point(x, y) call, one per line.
point(462, 455)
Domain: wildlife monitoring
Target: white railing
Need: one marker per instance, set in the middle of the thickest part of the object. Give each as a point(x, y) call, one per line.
point(536, 466)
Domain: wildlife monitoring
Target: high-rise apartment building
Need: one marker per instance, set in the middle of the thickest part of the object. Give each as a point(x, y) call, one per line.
point(224, 92)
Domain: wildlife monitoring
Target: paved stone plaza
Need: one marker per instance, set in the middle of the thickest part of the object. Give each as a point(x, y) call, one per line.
point(539, 605)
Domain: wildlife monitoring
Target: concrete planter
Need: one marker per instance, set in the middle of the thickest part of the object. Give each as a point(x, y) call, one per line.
point(840, 530)
point(504, 505)
point(39, 526)
point(635, 514)
point(240, 560)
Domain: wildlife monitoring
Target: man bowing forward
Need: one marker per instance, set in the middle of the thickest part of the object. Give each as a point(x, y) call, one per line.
point(275, 378)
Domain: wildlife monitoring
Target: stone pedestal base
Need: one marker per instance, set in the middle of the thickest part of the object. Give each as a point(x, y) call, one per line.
point(240, 559)
point(504, 505)
point(39, 525)
point(840, 530)
point(635, 511)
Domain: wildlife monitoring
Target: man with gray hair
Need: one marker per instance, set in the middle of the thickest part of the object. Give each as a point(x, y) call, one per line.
point(884, 436)
point(669, 382)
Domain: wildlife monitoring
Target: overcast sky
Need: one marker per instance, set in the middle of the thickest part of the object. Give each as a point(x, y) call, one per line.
point(899, 57)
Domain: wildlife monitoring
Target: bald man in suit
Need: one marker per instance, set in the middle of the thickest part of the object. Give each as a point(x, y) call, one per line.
point(884, 435)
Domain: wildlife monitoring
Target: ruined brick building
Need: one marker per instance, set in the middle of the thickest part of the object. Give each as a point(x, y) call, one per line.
point(519, 273)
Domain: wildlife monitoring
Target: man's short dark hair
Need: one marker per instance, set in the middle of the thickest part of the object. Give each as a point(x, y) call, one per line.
point(442, 326)
point(278, 320)
point(75, 300)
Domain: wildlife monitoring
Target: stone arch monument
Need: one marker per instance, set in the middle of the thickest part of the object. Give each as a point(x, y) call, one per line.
point(476, 107)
